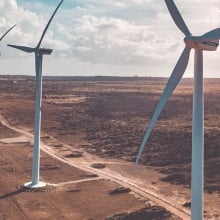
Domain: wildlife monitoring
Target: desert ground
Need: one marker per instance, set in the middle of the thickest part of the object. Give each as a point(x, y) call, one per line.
point(91, 130)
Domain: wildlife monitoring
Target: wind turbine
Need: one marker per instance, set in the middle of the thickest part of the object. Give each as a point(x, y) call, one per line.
point(206, 42)
point(39, 52)
point(7, 32)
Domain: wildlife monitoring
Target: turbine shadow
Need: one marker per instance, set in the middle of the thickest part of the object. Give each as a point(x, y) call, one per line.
point(16, 192)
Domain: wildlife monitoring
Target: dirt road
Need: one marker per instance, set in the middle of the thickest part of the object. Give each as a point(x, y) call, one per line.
point(85, 162)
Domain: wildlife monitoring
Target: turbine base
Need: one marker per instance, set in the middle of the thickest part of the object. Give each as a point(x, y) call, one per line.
point(35, 185)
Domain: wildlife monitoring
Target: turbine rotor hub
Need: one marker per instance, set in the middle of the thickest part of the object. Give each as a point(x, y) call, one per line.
point(195, 43)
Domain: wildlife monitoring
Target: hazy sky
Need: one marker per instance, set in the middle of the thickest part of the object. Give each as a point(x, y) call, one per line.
point(98, 37)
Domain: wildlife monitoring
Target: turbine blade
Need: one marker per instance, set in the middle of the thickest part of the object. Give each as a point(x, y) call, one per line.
point(45, 29)
point(7, 32)
point(23, 48)
point(174, 12)
point(211, 35)
point(170, 86)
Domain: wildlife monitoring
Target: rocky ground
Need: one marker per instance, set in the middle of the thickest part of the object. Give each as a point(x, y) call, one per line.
point(111, 115)
point(70, 194)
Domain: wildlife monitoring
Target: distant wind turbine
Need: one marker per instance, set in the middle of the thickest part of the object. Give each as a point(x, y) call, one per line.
point(208, 42)
point(39, 52)
point(7, 32)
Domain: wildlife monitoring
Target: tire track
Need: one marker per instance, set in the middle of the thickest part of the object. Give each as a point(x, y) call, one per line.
point(75, 181)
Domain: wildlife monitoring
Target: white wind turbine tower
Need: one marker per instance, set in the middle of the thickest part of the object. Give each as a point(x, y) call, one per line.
point(206, 42)
point(39, 52)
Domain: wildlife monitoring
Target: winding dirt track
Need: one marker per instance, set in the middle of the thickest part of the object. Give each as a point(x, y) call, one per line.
point(85, 164)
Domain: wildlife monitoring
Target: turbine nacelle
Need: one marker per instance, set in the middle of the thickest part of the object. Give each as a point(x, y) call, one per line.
point(196, 43)
point(45, 51)
point(32, 50)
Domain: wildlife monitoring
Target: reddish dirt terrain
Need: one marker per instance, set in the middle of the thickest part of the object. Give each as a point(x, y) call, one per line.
point(105, 117)
point(70, 194)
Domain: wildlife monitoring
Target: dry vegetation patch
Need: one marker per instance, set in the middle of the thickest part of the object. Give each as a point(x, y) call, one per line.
point(108, 117)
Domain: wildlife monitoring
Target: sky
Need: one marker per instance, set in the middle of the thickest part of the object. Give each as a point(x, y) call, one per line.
point(97, 37)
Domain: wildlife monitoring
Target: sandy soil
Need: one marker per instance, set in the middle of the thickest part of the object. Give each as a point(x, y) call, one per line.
point(100, 118)
point(71, 193)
